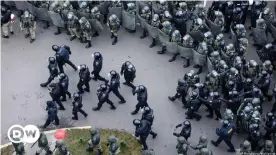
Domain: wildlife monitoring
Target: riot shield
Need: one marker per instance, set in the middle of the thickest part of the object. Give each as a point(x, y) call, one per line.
point(155, 8)
point(128, 20)
point(115, 10)
point(153, 31)
point(185, 52)
point(142, 21)
point(9, 3)
point(140, 5)
point(215, 29)
point(96, 25)
point(30, 8)
point(103, 7)
point(21, 5)
point(42, 14)
point(64, 13)
point(199, 59)
point(263, 55)
point(171, 47)
point(197, 35)
point(210, 65)
point(259, 36)
point(233, 37)
point(56, 19)
point(225, 57)
point(83, 14)
point(163, 38)
point(272, 31)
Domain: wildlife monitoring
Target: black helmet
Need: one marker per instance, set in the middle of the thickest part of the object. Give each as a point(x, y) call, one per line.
point(97, 55)
point(61, 76)
point(76, 96)
point(127, 63)
point(216, 95)
point(3, 9)
point(225, 123)
point(231, 83)
point(187, 124)
point(233, 93)
point(270, 115)
point(55, 48)
point(194, 94)
point(146, 110)
point(113, 73)
point(136, 122)
point(264, 73)
point(248, 81)
point(181, 82)
point(50, 103)
point(103, 87)
point(82, 67)
point(237, 10)
point(51, 60)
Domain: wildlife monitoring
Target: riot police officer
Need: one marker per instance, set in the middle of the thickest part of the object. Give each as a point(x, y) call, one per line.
point(146, 15)
point(142, 97)
point(129, 72)
point(202, 143)
point(267, 66)
point(225, 134)
point(254, 137)
point(64, 83)
point(180, 20)
point(166, 29)
point(77, 106)
point(84, 75)
point(228, 115)
point(114, 26)
point(73, 26)
point(97, 67)
point(60, 145)
point(114, 85)
point(113, 145)
point(95, 141)
point(52, 67)
point(52, 114)
point(55, 93)
point(270, 125)
point(181, 146)
point(19, 148)
point(142, 131)
point(157, 24)
point(194, 104)
point(245, 147)
point(181, 91)
point(95, 14)
point(203, 93)
point(255, 13)
point(219, 43)
point(85, 28)
point(176, 38)
point(219, 20)
point(273, 110)
point(233, 102)
point(185, 131)
point(63, 53)
point(43, 145)
point(268, 147)
point(237, 16)
point(148, 115)
point(103, 97)
point(215, 105)
point(6, 22)
point(28, 23)
point(264, 83)
point(187, 42)
point(228, 16)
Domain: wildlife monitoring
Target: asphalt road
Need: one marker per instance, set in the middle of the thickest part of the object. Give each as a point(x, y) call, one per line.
point(24, 67)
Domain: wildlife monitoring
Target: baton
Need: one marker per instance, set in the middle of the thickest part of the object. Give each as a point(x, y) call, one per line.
point(33, 144)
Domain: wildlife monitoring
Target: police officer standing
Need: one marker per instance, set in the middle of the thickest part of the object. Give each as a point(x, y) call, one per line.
point(103, 97)
point(185, 131)
point(215, 105)
point(52, 67)
point(114, 26)
point(6, 21)
point(194, 104)
point(84, 75)
point(63, 53)
point(270, 125)
point(64, 83)
point(55, 93)
point(129, 72)
point(114, 85)
point(225, 134)
point(181, 91)
point(28, 23)
point(52, 114)
point(142, 97)
point(97, 67)
point(142, 131)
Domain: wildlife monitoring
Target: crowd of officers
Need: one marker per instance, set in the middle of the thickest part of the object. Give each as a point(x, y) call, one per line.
point(242, 85)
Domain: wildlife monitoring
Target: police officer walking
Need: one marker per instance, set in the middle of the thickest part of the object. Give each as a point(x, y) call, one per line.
point(181, 91)
point(84, 75)
point(77, 106)
point(114, 85)
point(142, 131)
point(142, 97)
point(52, 67)
point(148, 115)
point(225, 134)
point(103, 97)
point(129, 72)
point(185, 131)
point(28, 23)
point(97, 67)
point(64, 83)
point(194, 104)
point(6, 21)
point(55, 93)
point(52, 114)
point(63, 53)
point(43, 145)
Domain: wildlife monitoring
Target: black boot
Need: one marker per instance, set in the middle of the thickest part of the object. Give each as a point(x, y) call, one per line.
point(46, 26)
point(5, 36)
point(11, 32)
point(72, 38)
point(32, 40)
point(58, 31)
point(75, 118)
point(27, 35)
point(144, 34)
point(81, 41)
point(187, 64)
point(89, 149)
point(96, 109)
point(87, 90)
point(173, 58)
point(199, 70)
point(96, 34)
point(115, 40)
point(112, 35)
point(88, 45)
point(171, 98)
point(162, 51)
point(153, 43)
point(134, 112)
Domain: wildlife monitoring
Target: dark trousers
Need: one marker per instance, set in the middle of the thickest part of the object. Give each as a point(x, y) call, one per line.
point(117, 93)
point(57, 100)
point(129, 83)
point(217, 112)
point(48, 121)
point(50, 79)
point(64, 93)
point(273, 110)
point(143, 142)
point(208, 106)
point(100, 104)
point(97, 76)
point(140, 105)
point(192, 114)
point(80, 85)
point(60, 65)
point(75, 113)
point(228, 22)
point(227, 142)
point(183, 98)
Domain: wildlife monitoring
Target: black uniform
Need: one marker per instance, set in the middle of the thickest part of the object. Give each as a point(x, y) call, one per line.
point(129, 72)
point(148, 115)
point(5, 17)
point(64, 83)
point(273, 110)
point(215, 105)
point(180, 22)
point(270, 125)
point(255, 137)
point(234, 101)
point(142, 97)
point(185, 131)
point(97, 67)
point(103, 97)
point(256, 10)
point(194, 104)
point(114, 85)
point(55, 93)
point(52, 67)
point(225, 134)
point(228, 16)
point(181, 91)
point(142, 130)
point(63, 53)
point(84, 75)
point(237, 16)
point(264, 83)
point(203, 93)
point(216, 6)
point(77, 106)
point(52, 114)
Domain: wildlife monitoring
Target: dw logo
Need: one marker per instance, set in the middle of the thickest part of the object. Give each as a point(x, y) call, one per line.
point(27, 134)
